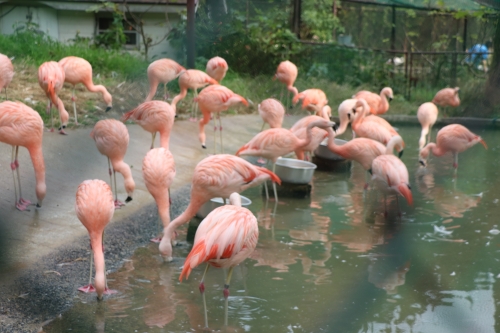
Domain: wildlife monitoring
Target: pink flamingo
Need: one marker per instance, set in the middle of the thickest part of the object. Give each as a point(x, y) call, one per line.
point(78, 70)
point(346, 115)
point(194, 79)
point(312, 99)
point(95, 208)
point(276, 142)
point(51, 79)
point(20, 125)
point(162, 71)
point(215, 176)
point(217, 68)
point(272, 112)
point(226, 237)
point(158, 171)
point(454, 139)
point(391, 173)
point(378, 103)
point(447, 97)
point(154, 116)
point(299, 129)
point(287, 73)
point(6, 72)
point(373, 127)
point(427, 115)
point(111, 139)
point(362, 150)
point(215, 99)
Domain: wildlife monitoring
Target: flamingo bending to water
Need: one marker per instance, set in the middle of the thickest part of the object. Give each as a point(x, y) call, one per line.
point(78, 70)
point(111, 139)
point(215, 176)
point(226, 237)
point(427, 115)
point(95, 208)
point(287, 73)
point(20, 125)
point(272, 112)
point(51, 79)
point(158, 171)
point(454, 139)
point(217, 68)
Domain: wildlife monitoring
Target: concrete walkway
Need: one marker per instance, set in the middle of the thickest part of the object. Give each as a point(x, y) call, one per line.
point(27, 236)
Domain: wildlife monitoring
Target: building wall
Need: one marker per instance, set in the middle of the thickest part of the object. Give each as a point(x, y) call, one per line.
point(73, 22)
point(44, 17)
point(156, 27)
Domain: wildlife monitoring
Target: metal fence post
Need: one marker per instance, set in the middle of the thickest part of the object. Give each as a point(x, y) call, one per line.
point(454, 69)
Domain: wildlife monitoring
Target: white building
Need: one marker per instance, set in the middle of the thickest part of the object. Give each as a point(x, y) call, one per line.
point(63, 19)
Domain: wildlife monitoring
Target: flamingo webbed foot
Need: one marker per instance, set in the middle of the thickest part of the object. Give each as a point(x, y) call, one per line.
point(87, 289)
point(118, 204)
point(61, 131)
point(108, 291)
point(156, 240)
point(22, 206)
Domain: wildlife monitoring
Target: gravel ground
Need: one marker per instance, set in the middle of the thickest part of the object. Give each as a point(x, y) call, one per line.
point(46, 289)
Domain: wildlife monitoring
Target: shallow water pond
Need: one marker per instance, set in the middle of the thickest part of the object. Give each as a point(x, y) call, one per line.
point(334, 263)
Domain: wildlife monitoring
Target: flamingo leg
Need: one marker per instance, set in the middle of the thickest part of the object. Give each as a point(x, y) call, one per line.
point(274, 185)
point(22, 201)
point(267, 191)
point(455, 161)
point(13, 168)
point(6, 97)
point(165, 94)
point(195, 106)
point(89, 288)
point(385, 205)
point(50, 115)
point(153, 140)
point(73, 98)
point(262, 128)
point(118, 203)
point(215, 136)
point(288, 100)
point(202, 291)
point(220, 128)
point(226, 294)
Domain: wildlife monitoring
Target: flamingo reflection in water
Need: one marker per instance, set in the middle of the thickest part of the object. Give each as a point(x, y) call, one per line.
point(448, 202)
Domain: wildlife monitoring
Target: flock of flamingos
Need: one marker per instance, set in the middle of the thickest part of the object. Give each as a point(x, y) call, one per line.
point(229, 233)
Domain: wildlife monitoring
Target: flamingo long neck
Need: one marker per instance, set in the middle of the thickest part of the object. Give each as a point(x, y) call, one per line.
point(124, 169)
point(39, 166)
point(384, 101)
point(292, 89)
point(395, 140)
point(165, 139)
point(100, 275)
point(331, 143)
point(307, 140)
point(344, 122)
point(179, 97)
point(423, 134)
point(436, 150)
point(100, 89)
point(164, 209)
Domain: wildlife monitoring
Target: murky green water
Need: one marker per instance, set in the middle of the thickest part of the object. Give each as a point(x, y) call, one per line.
point(334, 263)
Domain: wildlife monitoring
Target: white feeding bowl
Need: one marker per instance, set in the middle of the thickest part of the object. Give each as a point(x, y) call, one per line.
point(294, 171)
point(217, 202)
point(323, 152)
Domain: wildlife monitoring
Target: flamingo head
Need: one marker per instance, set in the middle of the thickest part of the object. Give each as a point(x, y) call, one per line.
point(387, 91)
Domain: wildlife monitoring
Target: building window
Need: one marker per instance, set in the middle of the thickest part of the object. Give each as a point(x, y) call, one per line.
point(105, 24)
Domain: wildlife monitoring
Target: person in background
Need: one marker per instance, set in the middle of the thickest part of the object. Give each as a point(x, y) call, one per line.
point(479, 55)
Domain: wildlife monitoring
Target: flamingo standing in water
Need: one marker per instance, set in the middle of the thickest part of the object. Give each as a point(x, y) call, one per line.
point(215, 176)
point(217, 68)
point(390, 172)
point(194, 79)
point(427, 115)
point(299, 129)
point(20, 125)
point(373, 127)
point(312, 99)
point(78, 70)
point(346, 115)
point(287, 73)
point(272, 112)
point(111, 139)
point(95, 208)
point(215, 99)
point(162, 71)
point(158, 171)
point(276, 142)
point(454, 139)
point(226, 237)
point(51, 79)
point(378, 103)
point(362, 150)
point(6, 72)
point(154, 116)
point(447, 97)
